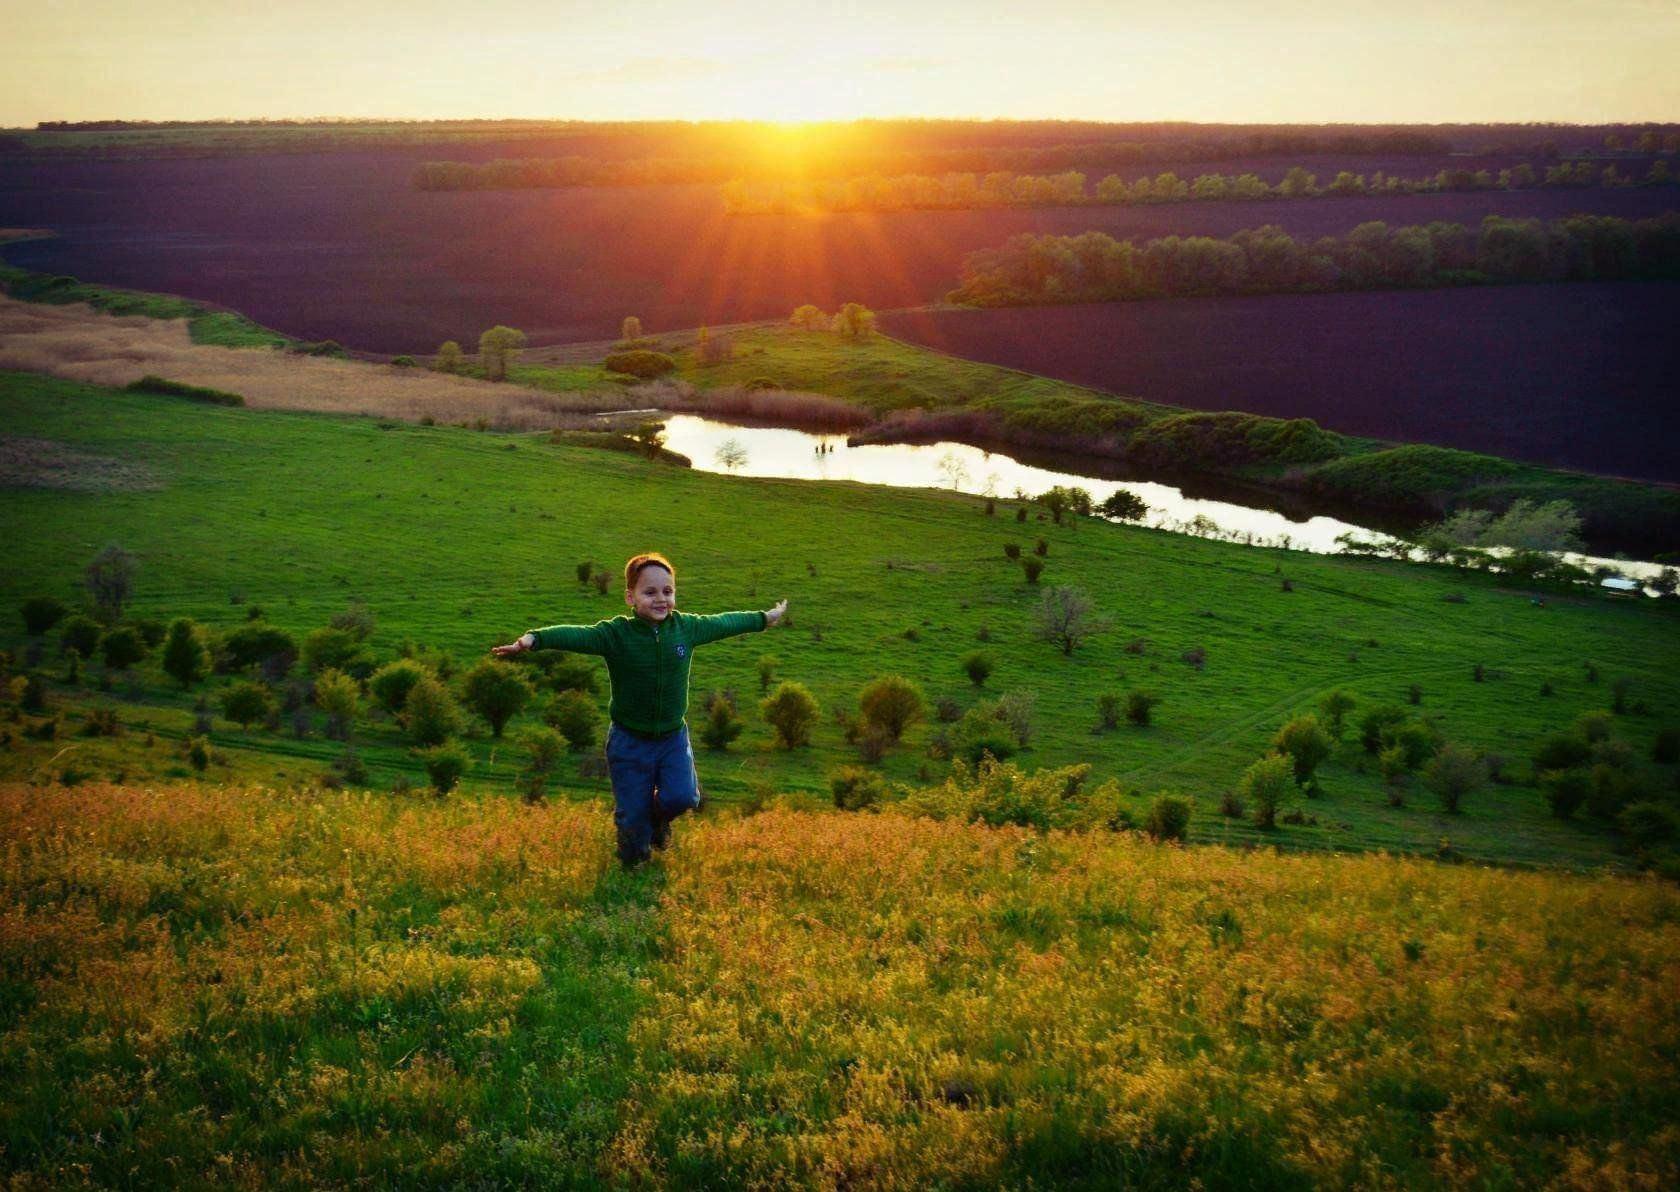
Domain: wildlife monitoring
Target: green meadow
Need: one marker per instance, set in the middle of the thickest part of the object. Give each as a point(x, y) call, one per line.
point(457, 540)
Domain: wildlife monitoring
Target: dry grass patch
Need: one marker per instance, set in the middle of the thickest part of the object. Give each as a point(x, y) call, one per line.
point(45, 463)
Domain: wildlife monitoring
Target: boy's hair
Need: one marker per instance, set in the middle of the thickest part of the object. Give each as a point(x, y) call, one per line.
point(633, 569)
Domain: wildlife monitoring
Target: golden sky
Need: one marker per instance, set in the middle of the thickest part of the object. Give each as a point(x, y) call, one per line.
point(1245, 61)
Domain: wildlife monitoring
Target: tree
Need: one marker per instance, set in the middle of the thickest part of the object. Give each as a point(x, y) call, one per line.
point(449, 358)
point(1139, 706)
point(543, 750)
point(245, 702)
point(731, 455)
point(723, 723)
point(1122, 505)
point(792, 711)
point(891, 704)
point(80, 634)
point(952, 468)
point(631, 328)
point(809, 318)
point(329, 648)
point(444, 766)
point(186, 658)
point(1306, 744)
point(649, 438)
point(497, 350)
point(337, 695)
point(110, 581)
point(497, 692)
point(1454, 772)
point(123, 647)
point(1553, 526)
point(978, 666)
point(1335, 706)
point(392, 682)
point(41, 613)
point(855, 321)
point(430, 712)
point(577, 718)
point(1263, 786)
point(1066, 617)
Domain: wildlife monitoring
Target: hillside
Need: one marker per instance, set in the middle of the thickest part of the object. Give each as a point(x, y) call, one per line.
point(251, 988)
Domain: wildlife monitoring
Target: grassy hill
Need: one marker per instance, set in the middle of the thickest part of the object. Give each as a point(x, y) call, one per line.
point(457, 540)
point(233, 985)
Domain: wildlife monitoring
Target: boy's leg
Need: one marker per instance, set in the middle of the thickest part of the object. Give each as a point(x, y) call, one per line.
point(631, 764)
point(678, 785)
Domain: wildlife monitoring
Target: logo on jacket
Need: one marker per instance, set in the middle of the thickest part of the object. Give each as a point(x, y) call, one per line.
point(682, 650)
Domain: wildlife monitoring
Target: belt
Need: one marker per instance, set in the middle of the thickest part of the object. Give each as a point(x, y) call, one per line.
point(641, 736)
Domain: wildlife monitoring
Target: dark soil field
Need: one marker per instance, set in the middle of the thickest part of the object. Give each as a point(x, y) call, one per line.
point(1576, 376)
point(339, 246)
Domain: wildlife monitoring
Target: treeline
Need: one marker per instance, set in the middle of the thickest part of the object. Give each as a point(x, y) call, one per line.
point(1045, 270)
point(875, 192)
point(725, 164)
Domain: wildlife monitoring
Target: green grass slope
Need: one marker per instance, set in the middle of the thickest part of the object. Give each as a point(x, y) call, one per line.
point(459, 540)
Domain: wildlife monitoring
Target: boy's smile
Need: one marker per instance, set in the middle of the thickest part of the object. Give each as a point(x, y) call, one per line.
point(654, 595)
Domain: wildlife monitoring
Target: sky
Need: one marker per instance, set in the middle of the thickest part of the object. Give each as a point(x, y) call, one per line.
point(1237, 61)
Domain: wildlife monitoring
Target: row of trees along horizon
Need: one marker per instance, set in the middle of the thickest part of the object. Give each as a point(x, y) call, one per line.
point(274, 676)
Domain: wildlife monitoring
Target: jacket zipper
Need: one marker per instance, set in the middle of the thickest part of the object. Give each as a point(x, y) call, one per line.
point(658, 681)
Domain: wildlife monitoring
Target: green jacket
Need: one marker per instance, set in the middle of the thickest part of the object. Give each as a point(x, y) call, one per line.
point(648, 663)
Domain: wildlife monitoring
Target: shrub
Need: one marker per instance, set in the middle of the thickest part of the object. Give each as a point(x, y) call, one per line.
point(1561, 751)
point(557, 670)
point(349, 766)
point(978, 667)
point(392, 682)
point(577, 718)
point(1594, 726)
point(1169, 817)
point(1414, 695)
point(1378, 721)
point(34, 695)
point(982, 732)
point(854, 321)
point(602, 580)
point(430, 712)
point(186, 658)
point(856, 789)
point(1454, 772)
point(122, 648)
point(1565, 790)
point(1648, 823)
point(1417, 739)
point(1665, 746)
point(640, 363)
point(723, 723)
point(496, 692)
point(1195, 656)
point(246, 702)
point(166, 387)
point(110, 581)
point(356, 620)
point(337, 695)
point(1230, 806)
point(1263, 784)
point(198, 754)
point(253, 644)
point(946, 710)
point(792, 711)
point(766, 671)
point(1041, 548)
point(1015, 709)
point(102, 722)
point(1334, 707)
point(1609, 789)
point(1108, 710)
point(41, 613)
point(809, 318)
point(543, 750)
point(331, 648)
point(1306, 744)
point(891, 704)
point(1140, 706)
point(1122, 505)
point(80, 634)
point(403, 362)
point(445, 763)
point(1033, 568)
point(1066, 617)
point(1619, 688)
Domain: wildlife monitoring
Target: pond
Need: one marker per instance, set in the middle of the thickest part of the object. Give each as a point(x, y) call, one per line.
point(723, 447)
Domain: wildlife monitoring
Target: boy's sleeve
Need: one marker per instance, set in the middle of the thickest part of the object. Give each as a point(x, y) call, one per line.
point(720, 625)
point(580, 639)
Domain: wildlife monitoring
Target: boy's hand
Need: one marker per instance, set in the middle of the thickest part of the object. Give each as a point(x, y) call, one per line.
point(772, 616)
point(517, 646)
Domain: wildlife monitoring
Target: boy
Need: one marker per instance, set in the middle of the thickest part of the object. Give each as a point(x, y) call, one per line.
point(648, 654)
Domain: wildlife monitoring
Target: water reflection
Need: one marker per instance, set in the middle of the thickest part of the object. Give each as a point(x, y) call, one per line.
point(798, 455)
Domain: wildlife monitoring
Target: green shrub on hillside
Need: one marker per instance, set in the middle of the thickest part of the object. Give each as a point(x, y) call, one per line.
point(41, 613)
point(445, 764)
point(1263, 785)
point(791, 710)
point(245, 702)
point(80, 634)
point(162, 385)
point(497, 692)
point(640, 363)
point(1169, 817)
point(430, 712)
point(578, 719)
point(186, 657)
point(891, 704)
point(392, 682)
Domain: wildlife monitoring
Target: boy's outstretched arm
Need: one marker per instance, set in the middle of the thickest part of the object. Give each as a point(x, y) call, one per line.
point(720, 625)
point(580, 639)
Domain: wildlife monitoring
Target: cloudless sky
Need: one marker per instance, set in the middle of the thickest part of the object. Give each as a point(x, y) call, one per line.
point(1240, 61)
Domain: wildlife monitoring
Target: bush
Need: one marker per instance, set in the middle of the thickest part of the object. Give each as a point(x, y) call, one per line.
point(766, 672)
point(1454, 772)
point(1140, 706)
point(253, 644)
point(497, 692)
point(1594, 727)
point(1648, 823)
point(856, 789)
point(1306, 744)
point(1561, 751)
point(41, 613)
point(186, 658)
point(577, 718)
point(891, 704)
point(640, 363)
point(1169, 817)
point(1609, 789)
point(332, 648)
point(1195, 656)
point(1565, 791)
point(980, 732)
point(1108, 710)
point(543, 750)
point(1263, 784)
point(723, 723)
point(1665, 746)
point(168, 388)
point(1334, 707)
point(792, 711)
point(1032, 567)
point(1417, 740)
point(246, 702)
point(445, 763)
point(337, 695)
point(978, 666)
point(392, 682)
point(430, 712)
point(198, 754)
point(559, 671)
point(80, 634)
point(123, 647)
point(1377, 722)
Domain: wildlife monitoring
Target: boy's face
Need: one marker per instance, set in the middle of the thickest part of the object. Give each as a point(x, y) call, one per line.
point(654, 595)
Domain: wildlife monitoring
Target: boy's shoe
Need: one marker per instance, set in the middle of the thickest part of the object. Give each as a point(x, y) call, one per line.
point(661, 830)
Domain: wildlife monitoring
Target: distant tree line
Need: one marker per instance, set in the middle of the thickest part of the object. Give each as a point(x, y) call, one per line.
point(875, 192)
point(1093, 267)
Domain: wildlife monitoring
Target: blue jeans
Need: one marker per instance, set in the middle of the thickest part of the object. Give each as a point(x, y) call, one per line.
point(653, 782)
